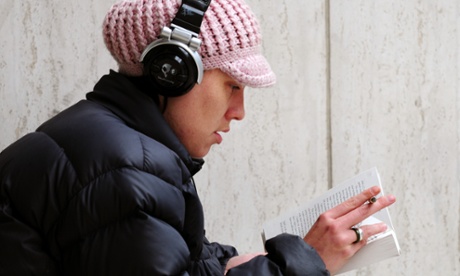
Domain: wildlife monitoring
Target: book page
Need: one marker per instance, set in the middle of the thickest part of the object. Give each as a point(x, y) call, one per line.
point(299, 221)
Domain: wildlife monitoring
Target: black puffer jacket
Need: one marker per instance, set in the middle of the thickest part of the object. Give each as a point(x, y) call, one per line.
point(106, 188)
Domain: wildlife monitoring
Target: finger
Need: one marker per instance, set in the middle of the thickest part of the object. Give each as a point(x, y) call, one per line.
point(353, 202)
point(366, 210)
point(358, 233)
point(369, 231)
point(353, 245)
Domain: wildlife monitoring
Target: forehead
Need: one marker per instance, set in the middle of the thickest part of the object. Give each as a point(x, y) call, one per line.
point(219, 75)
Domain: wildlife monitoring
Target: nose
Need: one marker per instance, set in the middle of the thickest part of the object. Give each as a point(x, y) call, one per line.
point(236, 108)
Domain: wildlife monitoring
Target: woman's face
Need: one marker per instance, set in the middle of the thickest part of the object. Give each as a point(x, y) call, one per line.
point(204, 112)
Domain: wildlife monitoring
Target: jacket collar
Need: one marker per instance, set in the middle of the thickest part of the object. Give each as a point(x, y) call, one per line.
point(119, 94)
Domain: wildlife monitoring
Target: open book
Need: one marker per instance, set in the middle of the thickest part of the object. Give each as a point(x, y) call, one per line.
point(300, 220)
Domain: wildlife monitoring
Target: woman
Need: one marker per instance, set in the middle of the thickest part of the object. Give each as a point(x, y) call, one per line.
point(106, 187)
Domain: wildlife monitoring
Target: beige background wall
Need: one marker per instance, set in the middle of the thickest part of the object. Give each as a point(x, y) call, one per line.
point(360, 84)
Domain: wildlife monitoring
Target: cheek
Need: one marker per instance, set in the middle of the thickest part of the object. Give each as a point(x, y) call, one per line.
point(194, 118)
point(216, 105)
point(179, 123)
point(188, 127)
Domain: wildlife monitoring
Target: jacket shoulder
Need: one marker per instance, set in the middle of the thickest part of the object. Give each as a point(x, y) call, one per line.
point(97, 141)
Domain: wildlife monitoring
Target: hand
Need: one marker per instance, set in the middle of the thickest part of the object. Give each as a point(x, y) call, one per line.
point(331, 235)
point(237, 260)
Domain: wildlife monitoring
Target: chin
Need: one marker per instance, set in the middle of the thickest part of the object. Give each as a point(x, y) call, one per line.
point(200, 154)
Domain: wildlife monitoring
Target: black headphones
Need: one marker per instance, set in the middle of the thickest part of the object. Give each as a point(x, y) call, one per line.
point(172, 63)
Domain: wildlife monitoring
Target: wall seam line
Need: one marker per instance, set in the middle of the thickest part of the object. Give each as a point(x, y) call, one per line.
point(328, 93)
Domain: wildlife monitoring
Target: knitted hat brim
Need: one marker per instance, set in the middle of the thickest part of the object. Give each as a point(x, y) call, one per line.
point(250, 69)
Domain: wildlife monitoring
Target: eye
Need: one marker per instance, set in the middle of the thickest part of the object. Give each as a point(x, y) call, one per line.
point(235, 87)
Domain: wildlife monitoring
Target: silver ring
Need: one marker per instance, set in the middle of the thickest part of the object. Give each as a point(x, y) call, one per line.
point(359, 234)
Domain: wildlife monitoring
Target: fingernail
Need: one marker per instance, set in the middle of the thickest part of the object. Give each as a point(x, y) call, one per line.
point(391, 198)
point(384, 227)
point(375, 189)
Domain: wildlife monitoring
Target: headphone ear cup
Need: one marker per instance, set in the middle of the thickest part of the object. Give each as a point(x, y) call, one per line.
point(171, 69)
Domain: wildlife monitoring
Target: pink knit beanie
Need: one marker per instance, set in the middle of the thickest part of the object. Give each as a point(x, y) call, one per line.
point(230, 36)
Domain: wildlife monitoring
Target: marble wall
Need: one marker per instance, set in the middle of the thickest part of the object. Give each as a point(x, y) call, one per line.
point(360, 84)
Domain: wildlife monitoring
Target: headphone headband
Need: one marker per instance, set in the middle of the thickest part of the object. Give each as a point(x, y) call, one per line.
point(190, 15)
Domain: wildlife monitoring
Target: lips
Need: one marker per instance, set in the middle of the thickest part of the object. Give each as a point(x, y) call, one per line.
point(219, 136)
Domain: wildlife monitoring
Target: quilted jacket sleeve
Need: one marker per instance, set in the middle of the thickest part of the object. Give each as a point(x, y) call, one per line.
point(49, 224)
point(24, 208)
point(129, 248)
point(213, 259)
point(287, 255)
